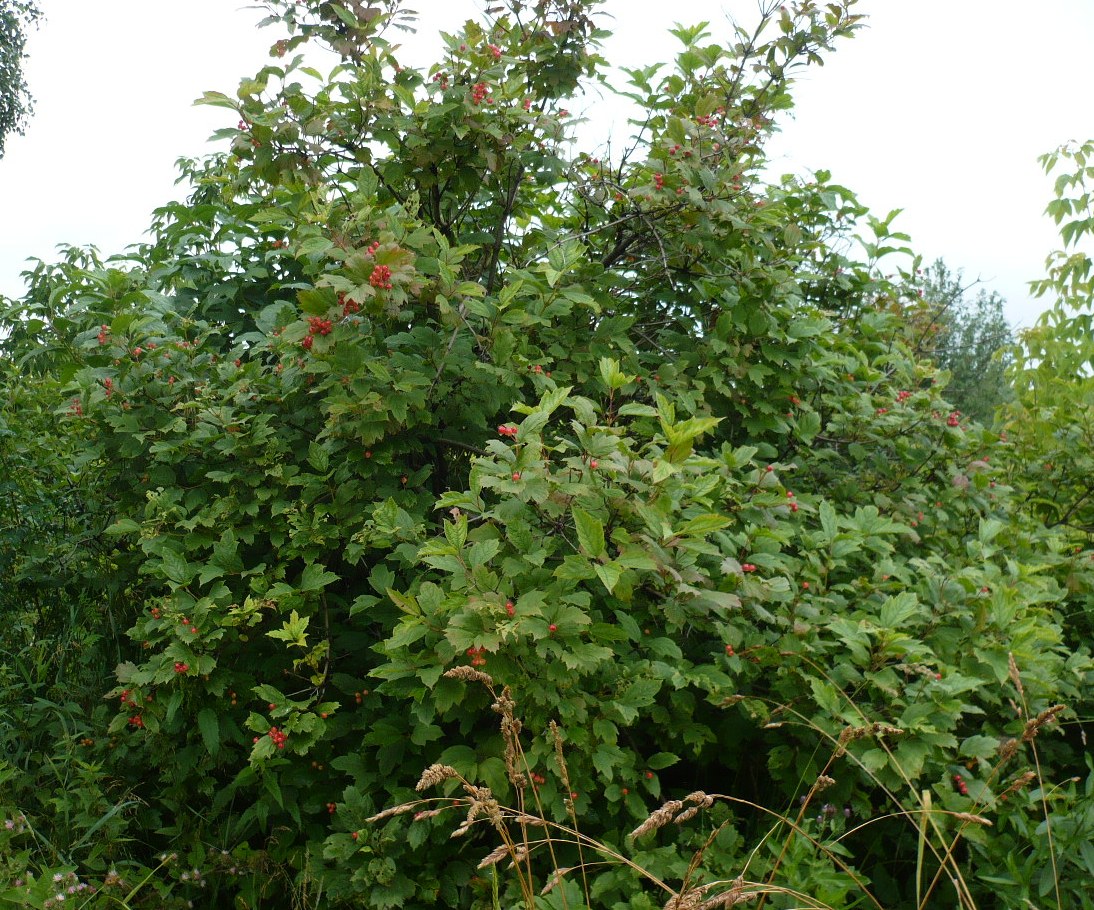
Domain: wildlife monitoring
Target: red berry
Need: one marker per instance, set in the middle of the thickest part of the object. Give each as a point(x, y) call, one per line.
point(516, 475)
point(594, 464)
point(272, 706)
point(649, 775)
point(552, 628)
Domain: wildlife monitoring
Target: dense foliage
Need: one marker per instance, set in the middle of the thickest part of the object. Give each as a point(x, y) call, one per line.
point(16, 19)
point(645, 444)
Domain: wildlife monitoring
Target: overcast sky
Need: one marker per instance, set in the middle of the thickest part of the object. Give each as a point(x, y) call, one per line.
point(939, 107)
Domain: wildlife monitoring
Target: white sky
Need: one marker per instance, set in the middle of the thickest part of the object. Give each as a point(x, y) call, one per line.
point(940, 107)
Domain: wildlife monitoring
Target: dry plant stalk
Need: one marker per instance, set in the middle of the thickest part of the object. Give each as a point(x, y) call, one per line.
point(1015, 676)
point(394, 810)
point(973, 819)
point(1008, 749)
point(556, 879)
point(1022, 781)
point(510, 731)
point(850, 734)
point(470, 674)
point(668, 812)
point(435, 774)
point(697, 899)
point(1033, 727)
point(658, 818)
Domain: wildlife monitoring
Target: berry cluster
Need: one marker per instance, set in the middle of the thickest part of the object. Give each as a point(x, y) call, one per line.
point(960, 785)
point(495, 51)
point(181, 667)
point(477, 656)
point(480, 92)
point(509, 608)
point(659, 181)
point(954, 419)
point(331, 808)
point(278, 737)
point(710, 120)
point(506, 430)
point(747, 567)
point(380, 277)
point(349, 305)
point(903, 395)
point(441, 79)
point(103, 330)
point(137, 721)
point(317, 325)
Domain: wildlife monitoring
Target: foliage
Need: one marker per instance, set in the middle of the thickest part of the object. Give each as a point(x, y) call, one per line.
point(408, 385)
point(16, 19)
point(969, 339)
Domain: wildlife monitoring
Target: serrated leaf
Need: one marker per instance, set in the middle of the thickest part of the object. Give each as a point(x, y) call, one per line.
point(609, 573)
point(590, 532)
point(209, 727)
point(315, 577)
point(177, 569)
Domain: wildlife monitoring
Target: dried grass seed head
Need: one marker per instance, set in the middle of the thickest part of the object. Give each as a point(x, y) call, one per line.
point(470, 674)
point(435, 774)
point(658, 818)
point(1033, 726)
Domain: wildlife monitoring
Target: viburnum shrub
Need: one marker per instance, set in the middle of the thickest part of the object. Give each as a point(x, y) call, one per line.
point(411, 383)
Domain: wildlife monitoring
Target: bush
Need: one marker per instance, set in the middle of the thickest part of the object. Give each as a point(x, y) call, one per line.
point(405, 386)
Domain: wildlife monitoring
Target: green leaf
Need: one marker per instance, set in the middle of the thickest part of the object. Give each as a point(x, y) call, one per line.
point(177, 569)
point(609, 573)
point(456, 531)
point(315, 577)
point(661, 760)
point(590, 532)
point(209, 726)
point(318, 457)
point(122, 527)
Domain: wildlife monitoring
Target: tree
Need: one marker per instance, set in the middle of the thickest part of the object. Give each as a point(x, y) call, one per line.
point(414, 417)
point(16, 106)
point(969, 339)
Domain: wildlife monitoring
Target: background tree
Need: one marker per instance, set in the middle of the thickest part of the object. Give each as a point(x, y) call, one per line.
point(969, 338)
point(16, 105)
